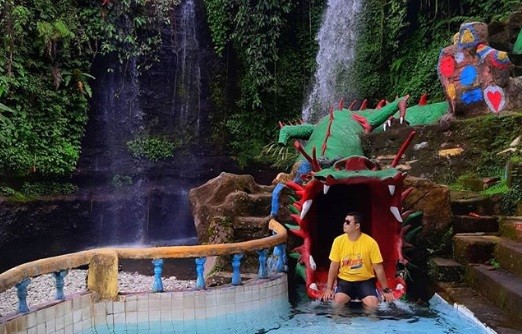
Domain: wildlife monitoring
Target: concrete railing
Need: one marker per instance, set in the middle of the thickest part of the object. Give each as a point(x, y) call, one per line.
point(102, 277)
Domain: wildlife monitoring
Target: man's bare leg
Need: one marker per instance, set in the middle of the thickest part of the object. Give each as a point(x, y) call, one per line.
point(340, 299)
point(370, 302)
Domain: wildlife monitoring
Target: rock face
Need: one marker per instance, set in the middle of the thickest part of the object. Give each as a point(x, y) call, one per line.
point(434, 201)
point(38, 229)
point(230, 197)
point(230, 208)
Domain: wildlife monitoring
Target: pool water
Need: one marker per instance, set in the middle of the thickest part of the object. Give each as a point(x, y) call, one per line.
point(319, 317)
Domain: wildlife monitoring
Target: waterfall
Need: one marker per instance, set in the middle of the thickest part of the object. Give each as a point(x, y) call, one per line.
point(186, 97)
point(150, 203)
point(336, 38)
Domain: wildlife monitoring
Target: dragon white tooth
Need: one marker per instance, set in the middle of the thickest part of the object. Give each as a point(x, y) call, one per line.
point(325, 189)
point(313, 286)
point(306, 206)
point(391, 188)
point(401, 119)
point(384, 126)
point(389, 122)
point(313, 265)
point(396, 213)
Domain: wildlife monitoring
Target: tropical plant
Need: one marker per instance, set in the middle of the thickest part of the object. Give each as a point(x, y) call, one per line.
point(47, 51)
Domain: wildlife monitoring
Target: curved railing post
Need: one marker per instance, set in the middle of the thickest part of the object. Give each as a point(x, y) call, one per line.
point(236, 263)
point(280, 252)
point(263, 273)
point(21, 292)
point(59, 276)
point(200, 280)
point(157, 286)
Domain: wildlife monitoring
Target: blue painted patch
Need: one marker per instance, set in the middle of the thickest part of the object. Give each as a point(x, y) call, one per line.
point(468, 75)
point(472, 96)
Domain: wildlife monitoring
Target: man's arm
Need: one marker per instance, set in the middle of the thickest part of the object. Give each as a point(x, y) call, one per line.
point(332, 275)
point(381, 276)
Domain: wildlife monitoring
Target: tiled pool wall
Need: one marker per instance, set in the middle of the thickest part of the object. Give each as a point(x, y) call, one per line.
point(79, 313)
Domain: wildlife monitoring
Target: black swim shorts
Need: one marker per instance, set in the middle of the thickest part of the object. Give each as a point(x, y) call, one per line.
point(358, 289)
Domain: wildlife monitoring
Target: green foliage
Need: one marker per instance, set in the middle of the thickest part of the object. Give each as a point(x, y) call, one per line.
point(511, 199)
point(219, 23)
point(273, 44)
point(119, 181)
point(152, 148)
point(443, 247)
point(47, 50)
point(494, 263)
point(511, 196)
point(47, 188)
point(506, 128)
point(499, 188)
point(44, 121)
point(132, 28)
point(282, 158)
point(253, 136)
point(7, 191)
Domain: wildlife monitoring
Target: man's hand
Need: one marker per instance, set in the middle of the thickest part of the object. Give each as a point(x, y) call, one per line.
point(388, 296)
point(327, 295)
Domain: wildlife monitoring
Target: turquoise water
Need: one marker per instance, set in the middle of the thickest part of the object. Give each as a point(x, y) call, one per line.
point(317, 317)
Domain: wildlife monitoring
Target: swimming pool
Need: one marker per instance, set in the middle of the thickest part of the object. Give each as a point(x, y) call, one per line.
point(316, 317)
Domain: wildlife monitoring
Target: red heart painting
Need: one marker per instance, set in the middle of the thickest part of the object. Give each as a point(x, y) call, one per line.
point(495, 99)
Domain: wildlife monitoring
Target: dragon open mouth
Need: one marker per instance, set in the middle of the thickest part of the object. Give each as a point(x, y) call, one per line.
point(352, 184)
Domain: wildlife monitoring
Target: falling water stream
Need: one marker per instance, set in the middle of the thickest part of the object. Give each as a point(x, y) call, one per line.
point(336, 39)
point(143, 202)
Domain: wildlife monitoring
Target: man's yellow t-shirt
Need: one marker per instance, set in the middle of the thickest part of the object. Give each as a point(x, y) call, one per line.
point(355, 257)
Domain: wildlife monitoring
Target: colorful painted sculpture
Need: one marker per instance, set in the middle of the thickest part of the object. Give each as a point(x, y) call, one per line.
point(340, 180)
point(473, 74)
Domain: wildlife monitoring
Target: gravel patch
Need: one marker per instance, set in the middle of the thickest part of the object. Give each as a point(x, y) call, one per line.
point(42, 288)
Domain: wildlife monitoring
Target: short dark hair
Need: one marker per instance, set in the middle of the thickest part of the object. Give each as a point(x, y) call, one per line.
point(357, 217)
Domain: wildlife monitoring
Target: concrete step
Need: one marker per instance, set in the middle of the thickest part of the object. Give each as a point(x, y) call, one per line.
point(445, 270)
point(485, 311)
point(474, 248)
point(508, 253)
point(473, 224)
point(511, 227)
point(473, 203)
point(500, 286)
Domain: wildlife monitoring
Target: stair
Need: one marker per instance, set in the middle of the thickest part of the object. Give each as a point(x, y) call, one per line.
point(501, 286)
point(511, 227)
point(471, 224)
point(477, 204)
point(489, 250)
point(472, 248)
point(509, 255)
point(446, 270)
point(481, 307)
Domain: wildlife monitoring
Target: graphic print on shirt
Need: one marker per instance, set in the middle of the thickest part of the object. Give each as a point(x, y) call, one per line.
point(353, 261)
